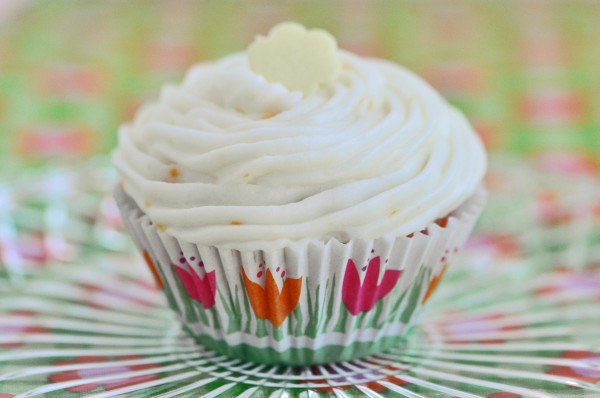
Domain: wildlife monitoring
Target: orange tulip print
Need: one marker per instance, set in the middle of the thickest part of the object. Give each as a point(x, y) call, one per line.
point(434, 284)
point(268, 302)
point(153, 269)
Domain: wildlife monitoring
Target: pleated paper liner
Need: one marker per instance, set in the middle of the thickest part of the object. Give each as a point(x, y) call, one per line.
point(311, 302)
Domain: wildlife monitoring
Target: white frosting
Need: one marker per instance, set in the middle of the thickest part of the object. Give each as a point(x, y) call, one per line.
point(258, 166)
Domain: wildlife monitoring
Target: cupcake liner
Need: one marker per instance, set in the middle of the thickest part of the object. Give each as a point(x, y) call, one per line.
point(310, 302)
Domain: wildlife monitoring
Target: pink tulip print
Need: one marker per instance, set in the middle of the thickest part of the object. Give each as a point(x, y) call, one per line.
point(362, 297)
point(199, 289)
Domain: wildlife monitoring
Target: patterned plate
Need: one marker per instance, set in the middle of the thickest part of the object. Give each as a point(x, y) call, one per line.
point(499, 333)
point(518, 316)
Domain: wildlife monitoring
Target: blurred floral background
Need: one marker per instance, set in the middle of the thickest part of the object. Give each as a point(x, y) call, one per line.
point(524, 72)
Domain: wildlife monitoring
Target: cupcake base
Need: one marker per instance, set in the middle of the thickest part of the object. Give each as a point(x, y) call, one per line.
point(308, 303)
point(300, 356)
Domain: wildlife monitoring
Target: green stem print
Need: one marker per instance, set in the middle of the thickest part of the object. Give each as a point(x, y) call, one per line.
point(330, 301)
point(199, 314)
point(376, 320)
point(358, 320)
point(232, 309)
point(313, 312)
point(413, 298)
point(340, 325)
point(261, 328)
point(299, 318)
point(247, 310)
point(278, 333)
point(215, 318)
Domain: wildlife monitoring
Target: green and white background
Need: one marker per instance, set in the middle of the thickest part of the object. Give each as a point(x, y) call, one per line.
point(516, 316)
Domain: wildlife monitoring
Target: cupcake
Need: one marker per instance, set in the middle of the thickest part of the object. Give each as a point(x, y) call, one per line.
point(299, 204)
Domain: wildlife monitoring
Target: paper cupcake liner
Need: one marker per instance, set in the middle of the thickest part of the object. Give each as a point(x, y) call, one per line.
point(311, 302)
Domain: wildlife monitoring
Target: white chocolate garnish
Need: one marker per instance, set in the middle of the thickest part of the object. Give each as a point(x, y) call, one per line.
point(299, 59)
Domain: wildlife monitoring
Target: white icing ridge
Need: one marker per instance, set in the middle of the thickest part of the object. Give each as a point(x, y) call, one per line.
point(229, 159)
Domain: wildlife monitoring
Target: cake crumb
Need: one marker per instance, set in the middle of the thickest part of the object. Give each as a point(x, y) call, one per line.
point(235, 222)
point(370, 104)
point(161, 227)
point(174, 173)
point(147, 203)
point(248, 178)
point(270, 114)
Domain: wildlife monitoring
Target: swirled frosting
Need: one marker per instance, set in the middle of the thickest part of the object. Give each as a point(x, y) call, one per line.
point(229, 159)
